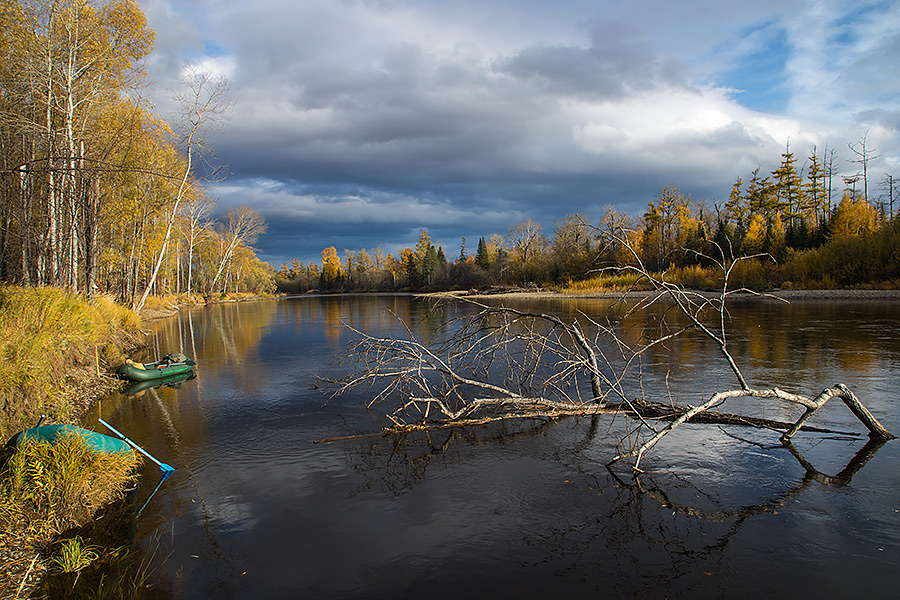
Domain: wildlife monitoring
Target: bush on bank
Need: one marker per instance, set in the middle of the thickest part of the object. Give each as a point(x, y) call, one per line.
point(46, 489)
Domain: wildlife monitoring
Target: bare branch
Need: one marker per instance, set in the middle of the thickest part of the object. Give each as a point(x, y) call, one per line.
point(539, 365)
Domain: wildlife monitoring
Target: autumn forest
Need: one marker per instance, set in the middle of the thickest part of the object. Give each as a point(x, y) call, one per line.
point(98, 194)
point(805, 228)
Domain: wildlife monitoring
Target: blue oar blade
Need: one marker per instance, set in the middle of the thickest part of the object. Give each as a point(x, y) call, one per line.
point(162, 466)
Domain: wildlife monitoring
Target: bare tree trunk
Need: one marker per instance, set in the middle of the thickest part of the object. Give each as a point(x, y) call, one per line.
point(876, 429)
point(25, 221)
point(171, 222)
point(205, 102)
point(91, 201)
point(51, 249)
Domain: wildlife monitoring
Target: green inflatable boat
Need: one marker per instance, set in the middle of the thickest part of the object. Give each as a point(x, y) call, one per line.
point(169, 366)
point(50, 433)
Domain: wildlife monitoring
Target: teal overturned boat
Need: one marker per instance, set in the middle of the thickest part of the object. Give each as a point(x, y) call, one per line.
point(171, 365)
point(49, 434)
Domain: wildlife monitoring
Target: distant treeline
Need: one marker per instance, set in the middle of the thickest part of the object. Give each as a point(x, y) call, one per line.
point(805, 233)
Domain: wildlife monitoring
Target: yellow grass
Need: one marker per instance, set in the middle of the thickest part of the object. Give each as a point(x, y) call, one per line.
point(48, 488)
point(44, 332)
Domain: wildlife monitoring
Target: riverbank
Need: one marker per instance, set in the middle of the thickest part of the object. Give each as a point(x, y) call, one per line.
point(789, 295)
point(162, 308)
point(57, 355)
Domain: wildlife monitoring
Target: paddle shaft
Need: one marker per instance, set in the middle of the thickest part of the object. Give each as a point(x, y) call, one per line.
point(162, 466)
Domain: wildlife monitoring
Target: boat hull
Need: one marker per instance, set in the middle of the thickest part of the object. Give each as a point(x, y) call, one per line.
point(153, 371)
point(174, 381)
point(51, 433)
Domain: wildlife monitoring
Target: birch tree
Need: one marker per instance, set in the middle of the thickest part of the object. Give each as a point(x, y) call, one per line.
point(203, 102)
point(242, 226)
point(195, 216)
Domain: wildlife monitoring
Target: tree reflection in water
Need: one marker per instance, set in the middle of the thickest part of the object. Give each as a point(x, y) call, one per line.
point(652, 535)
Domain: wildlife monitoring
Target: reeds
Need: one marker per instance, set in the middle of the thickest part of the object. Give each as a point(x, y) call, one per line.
point(48, 488)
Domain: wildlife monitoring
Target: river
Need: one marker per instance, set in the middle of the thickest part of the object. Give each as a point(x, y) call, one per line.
point(256, 509)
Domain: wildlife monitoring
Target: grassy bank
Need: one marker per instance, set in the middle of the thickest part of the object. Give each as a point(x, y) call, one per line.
point(802, 271)
point(52, 343)
point(55, 352)
point(49, 496)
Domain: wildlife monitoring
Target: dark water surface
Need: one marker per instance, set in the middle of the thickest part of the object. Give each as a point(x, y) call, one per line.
point(257, 510)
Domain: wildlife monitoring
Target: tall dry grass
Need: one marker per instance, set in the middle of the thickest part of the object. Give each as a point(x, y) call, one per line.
point(43, 333)
point(696, 277)
point(46, 488)
point(618, 282)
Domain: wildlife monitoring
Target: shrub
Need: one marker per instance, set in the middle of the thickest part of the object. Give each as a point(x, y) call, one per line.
point(49, 488)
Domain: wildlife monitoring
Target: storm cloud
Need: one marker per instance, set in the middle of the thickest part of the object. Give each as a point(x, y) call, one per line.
point(358, 123)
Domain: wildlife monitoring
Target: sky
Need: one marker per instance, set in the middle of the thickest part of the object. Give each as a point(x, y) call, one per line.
point(358, 123)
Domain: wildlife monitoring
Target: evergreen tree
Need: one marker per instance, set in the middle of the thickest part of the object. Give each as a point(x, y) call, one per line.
point(429, 265)
point(482, 257)
point(815, 192)
point(787, 187)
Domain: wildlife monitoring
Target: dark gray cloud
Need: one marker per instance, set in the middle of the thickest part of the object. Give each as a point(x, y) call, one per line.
point(356, 124)
point(617, 63)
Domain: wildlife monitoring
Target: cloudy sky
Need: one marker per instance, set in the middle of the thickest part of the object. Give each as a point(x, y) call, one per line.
point(356, 123)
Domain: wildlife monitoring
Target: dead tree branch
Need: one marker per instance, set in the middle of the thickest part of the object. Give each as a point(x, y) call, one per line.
point(693, 306)
point(540, 365)
point(876, 429)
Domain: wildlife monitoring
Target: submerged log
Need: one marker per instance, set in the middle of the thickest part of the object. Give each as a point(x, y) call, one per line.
point(539, 408)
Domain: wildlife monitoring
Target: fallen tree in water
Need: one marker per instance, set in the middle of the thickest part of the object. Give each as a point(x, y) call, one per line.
point(504, 363)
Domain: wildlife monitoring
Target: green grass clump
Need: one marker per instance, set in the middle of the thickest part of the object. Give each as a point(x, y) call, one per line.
point(120, 573)
point(46, 489)
point(74, 555)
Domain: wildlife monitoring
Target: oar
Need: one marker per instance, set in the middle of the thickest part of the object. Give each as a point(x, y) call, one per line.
point(166, 469)
point(165, 475)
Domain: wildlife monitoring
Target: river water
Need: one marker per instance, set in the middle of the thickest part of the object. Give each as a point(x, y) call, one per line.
point(257, 509)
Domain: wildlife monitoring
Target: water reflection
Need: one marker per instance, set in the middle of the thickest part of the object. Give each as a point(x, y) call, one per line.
point(174, 382)
point(257, 510)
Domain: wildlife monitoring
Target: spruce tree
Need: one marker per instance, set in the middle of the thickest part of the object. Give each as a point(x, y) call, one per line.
point(482, 258)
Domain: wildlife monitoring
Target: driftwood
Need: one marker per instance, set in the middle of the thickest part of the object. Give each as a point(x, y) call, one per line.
point(538, 365)
point(876, 429)
point(536, 408)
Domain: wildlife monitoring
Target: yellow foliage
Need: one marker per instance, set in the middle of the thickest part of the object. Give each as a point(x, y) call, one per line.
point(853, 218)
point(331, 264)
point(755, 239)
